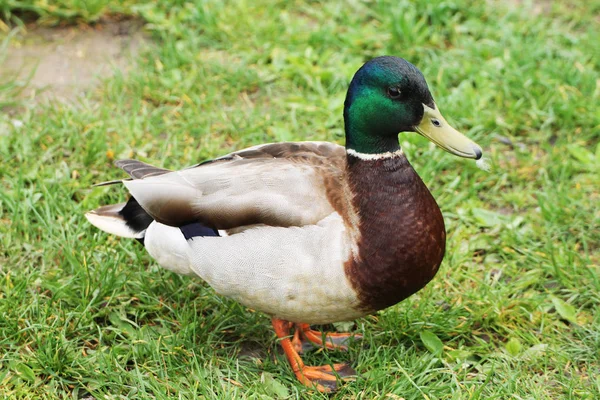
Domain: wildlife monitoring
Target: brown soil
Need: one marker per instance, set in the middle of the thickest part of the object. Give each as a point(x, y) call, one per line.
point(66, 62)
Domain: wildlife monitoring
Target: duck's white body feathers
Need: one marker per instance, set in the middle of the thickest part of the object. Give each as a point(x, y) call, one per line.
point(295, 273)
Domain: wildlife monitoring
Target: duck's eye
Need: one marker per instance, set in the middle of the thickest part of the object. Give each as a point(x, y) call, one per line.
point(394, 92)
point(436, 122)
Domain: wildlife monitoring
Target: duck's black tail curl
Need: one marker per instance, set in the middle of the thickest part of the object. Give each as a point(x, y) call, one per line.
point(136, 218)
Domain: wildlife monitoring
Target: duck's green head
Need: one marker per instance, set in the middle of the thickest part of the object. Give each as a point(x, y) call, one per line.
point(389, 95)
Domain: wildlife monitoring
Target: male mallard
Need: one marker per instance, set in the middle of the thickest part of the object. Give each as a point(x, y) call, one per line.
point(308, 232)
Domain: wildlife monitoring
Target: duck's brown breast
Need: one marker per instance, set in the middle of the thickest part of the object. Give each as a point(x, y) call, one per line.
point(402, 235)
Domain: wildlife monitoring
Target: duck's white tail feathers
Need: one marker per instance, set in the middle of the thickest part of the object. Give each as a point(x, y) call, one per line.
point(124, 219)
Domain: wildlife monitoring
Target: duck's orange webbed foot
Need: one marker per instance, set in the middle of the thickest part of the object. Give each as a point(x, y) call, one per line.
point(323, 378)
point(329, 340)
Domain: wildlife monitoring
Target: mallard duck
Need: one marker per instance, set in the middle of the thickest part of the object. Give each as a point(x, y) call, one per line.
point(306, 232)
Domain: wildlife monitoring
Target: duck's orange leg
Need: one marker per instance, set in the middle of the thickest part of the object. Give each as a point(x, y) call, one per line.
point(297, 342)
point(329, 340)
point(323, 378)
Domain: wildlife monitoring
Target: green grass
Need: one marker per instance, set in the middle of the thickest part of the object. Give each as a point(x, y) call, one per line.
point(515, 304)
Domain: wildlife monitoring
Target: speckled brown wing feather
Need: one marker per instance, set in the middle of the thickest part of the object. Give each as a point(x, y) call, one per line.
point(140, 170)
point(282, 184)
point(311, 152)
point(136, 169)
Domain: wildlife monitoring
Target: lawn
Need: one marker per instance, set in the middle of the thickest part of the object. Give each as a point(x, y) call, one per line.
point(514, 312)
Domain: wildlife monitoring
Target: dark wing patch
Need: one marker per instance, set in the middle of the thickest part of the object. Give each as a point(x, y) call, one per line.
point(140, 170)
point(196, 229)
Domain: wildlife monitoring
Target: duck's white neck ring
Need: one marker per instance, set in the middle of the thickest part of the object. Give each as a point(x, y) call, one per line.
point(377, 156)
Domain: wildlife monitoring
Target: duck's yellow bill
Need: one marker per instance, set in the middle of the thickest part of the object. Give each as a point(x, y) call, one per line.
point(435, 128)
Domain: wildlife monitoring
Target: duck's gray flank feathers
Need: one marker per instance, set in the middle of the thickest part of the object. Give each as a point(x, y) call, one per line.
point(291, 184)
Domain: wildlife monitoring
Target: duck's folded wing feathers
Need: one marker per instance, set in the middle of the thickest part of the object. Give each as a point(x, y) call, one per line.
point(284, 184)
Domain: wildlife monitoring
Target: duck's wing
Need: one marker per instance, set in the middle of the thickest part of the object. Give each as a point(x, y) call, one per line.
point(281, 184)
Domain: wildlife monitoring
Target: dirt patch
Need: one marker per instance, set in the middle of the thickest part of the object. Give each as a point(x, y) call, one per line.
point(252, 350)
point(538, 7)
point(66, 62)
